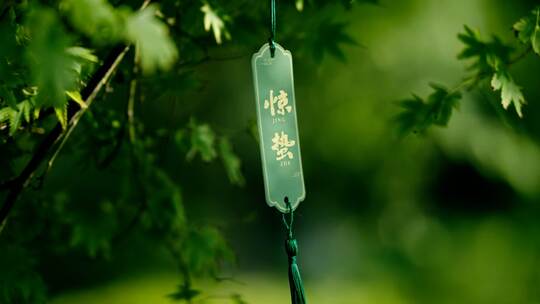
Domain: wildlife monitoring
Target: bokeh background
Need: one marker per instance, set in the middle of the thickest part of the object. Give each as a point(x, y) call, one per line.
point(450, 216)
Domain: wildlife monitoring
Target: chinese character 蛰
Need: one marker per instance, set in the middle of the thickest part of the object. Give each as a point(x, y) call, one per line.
point(281, 144)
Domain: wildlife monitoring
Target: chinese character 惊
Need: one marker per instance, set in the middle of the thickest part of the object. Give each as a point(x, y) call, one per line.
point(282, 103)
point(281, 144)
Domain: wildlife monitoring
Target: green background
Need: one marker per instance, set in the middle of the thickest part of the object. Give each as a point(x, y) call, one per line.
point(452, 217)
point(446, 217)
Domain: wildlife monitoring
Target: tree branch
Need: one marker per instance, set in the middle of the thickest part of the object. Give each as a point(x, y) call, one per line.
point(57, 136)
point(92, 93)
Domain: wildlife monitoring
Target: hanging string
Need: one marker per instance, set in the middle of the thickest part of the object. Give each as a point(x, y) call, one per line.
point(271, 41)
point(288, 223)
point(291, 246)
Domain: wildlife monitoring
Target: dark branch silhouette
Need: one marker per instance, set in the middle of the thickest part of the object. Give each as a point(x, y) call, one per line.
point(58, 136)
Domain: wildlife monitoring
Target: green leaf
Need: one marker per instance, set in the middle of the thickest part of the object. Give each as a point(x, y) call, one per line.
point(12, 117)
point(82, 53)
point(76, 96)
point(418, 114)
point(93, 229)
point(61, 115)
point(5, 114)
point(329, 38)
point(36, 113)
point(510, 91)
point(299, 5)
point(205, 249)
point(53, 69)
point(151, 36)
point(7, 96)
point(487, 56)
point(213, 21)
point(231, 162)
point(19, 282)
point(202, 142)
point(15, 122)
point(165, 208)
point(493, 58)
point(15, 116)
point(84, 59)
point(95, 18)
point(25, 108)
point(528, 30)
point(105, 24)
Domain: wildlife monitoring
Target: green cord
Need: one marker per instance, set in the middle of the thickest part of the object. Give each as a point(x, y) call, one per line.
point(271, 41)
point(289, 224)
point(291, 246)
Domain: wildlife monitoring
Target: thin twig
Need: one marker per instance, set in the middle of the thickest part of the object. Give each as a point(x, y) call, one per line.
point(134, 160)
point(57, 136)
point(132, 95)
point(77, 116)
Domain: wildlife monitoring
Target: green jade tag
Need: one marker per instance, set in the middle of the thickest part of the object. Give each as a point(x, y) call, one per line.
point(278, 128)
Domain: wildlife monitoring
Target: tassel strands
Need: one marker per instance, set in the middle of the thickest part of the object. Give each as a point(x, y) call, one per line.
point(295, 281)
point(291, 246)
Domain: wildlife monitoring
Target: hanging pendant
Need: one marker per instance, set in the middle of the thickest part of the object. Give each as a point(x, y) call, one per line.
point(278, 127)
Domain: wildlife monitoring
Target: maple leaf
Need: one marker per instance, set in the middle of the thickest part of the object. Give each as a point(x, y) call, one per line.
point(486, 56)
point(231, 162)
point(158, 50)
point(528, 30)
point(419, 114)
point(212, 21)
point(510, 91)
point(202, 142)
point(53, 69)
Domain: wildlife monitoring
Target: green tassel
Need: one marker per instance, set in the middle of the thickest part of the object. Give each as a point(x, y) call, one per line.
point(295, 281)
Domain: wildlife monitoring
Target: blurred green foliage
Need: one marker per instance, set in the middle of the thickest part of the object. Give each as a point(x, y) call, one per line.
point(148, 180)
point(490, 59)
point(52, 52)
